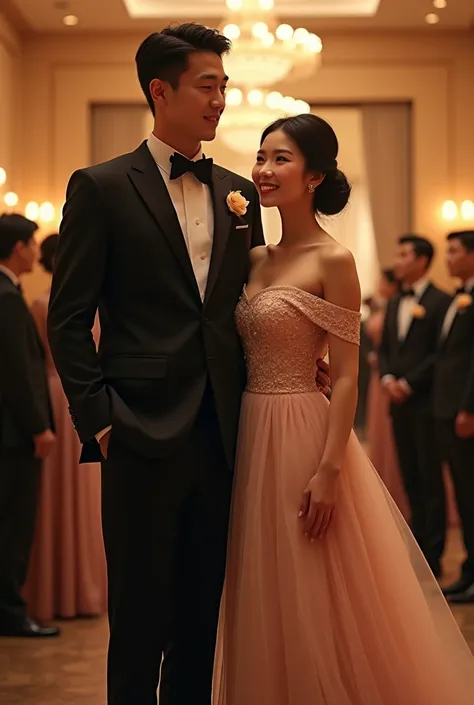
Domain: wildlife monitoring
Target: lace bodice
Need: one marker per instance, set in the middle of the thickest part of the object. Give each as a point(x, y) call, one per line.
point(284, 330)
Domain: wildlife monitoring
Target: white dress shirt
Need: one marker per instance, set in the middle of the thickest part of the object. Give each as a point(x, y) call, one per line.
point(407, 306)
point(9, 274)
point(193, 205)
point(452, 311)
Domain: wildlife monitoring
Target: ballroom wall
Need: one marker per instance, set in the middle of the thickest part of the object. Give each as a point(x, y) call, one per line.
point(64, 75)
point(10, 72)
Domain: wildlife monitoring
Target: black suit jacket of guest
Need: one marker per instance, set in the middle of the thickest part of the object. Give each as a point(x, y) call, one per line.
point(413, 358)
point(453, 389)
point(121, 248)
point(25, 408)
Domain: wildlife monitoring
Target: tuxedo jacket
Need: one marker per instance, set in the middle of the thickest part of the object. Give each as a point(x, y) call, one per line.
point(25, 408)
point(121, 249)
point(453, 388)
point(413, 357)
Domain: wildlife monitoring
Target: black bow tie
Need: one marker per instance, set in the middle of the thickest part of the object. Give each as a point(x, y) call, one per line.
point(462, 290)
point(407, 292)
point(202, 168)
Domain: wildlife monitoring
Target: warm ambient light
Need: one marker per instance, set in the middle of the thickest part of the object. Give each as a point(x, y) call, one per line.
point(449, 210)
point(439, 4)
point(432, 18)
point(467, 210)
point(70, 20)
point(32, 210)
point(10, 199)
point(46, 212)
point(3, 176)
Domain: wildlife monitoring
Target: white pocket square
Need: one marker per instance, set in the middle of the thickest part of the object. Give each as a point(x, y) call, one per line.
point(241, 227)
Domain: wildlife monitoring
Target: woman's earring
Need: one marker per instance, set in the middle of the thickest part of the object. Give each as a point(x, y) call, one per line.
point(311, 188)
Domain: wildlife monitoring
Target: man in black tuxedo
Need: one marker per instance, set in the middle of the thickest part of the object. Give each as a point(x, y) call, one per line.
point(25, 425)
point(454, 399)
point(154, 240)
point(407, 357)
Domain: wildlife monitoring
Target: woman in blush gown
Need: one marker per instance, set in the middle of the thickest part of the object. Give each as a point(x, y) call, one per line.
point(67, 575)
point(381, 445)
point(328, 600)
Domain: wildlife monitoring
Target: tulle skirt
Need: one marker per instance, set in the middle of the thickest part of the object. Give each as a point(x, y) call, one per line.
point(355, 618)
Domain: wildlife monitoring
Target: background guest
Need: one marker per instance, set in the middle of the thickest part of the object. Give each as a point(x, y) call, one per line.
point(381, 445)
point(26, 421)
point(454, 399)
point(407, 354)
point(67, 575)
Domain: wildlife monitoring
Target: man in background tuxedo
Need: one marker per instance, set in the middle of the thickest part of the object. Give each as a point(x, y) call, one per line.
point(454, 399)
point(25, 425)
point(407, 357)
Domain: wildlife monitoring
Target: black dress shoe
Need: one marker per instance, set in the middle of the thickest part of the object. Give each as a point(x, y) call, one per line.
point(459, 586)
point(462, 598)
point(28, 628)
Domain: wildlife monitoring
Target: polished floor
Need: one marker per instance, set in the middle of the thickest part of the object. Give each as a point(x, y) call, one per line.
point(70, 670)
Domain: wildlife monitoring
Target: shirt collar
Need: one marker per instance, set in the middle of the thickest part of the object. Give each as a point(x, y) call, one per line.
point(420, 287)
point(161, 153)
point(8, 273)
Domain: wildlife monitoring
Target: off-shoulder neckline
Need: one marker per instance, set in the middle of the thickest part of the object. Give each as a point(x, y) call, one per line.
point(289, 287)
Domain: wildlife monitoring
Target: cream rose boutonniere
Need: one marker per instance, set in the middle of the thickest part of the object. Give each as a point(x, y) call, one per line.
point(463, 301)
point(419, 311)
point(236, 203)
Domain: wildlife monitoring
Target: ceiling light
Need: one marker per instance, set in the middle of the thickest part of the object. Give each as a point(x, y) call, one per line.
point(439, 4)
point(10, 199)
point(32, 210)
point(467, 210)
point(432, 18)
point(449, 210)
point(70, 20)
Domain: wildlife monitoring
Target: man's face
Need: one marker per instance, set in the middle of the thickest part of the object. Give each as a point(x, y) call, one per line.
point(27, 254)
point(407, 264)
point(459, 261)
point(193, 110)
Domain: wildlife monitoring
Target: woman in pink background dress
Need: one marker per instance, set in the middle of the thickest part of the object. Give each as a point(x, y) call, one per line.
point(67, 575)
point(381, 445)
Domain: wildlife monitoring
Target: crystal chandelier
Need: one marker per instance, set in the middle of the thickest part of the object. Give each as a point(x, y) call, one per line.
point(263, 50)
point(248, 112)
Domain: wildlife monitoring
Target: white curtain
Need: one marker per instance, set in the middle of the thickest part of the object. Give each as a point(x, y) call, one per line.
point(387, 136)
point(115, 129)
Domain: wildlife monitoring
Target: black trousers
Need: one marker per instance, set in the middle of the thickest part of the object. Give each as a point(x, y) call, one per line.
point(414, 432)
point(165, 527)
point(20, 474)
point(458, 453)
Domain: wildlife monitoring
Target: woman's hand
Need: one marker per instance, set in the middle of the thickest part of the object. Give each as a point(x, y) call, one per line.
point(318, 502)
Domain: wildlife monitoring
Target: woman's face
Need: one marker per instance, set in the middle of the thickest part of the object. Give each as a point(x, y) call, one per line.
point(280, 173)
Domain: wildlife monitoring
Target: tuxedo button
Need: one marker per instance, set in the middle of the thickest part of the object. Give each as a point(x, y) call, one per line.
point(205, 320)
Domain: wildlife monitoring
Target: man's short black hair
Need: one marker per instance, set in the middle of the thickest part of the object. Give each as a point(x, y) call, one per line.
point(164, 54)
point(421, 246)
point(14, 228)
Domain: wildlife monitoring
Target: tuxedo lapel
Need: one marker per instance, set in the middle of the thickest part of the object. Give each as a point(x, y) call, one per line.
point(147, 179)
point(221, 185)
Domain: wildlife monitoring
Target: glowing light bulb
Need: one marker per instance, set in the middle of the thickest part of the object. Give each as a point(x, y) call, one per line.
point(259, 29)
point(314, 43)
point(432, 18)
point(32, 210)
point(255, 97)
point(234, 4)
point(231, 31)
point(267, 40)
point(449, 210)
point(301, 35)
point(284, 32)
point(234, 96)
point(46, 212)
point(10, 199)
point(3, 176)
point(467, 210)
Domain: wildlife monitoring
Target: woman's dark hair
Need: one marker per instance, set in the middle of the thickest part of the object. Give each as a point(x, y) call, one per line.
point(165, 54)
point(14, 228)
point(318, 144)
point(48, 251)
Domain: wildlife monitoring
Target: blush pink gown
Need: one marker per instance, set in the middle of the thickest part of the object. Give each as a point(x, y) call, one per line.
point(356, 618)
point(67, 574)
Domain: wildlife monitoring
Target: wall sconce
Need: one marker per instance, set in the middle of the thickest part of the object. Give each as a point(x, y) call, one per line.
point(32, 210)
point(467, 210)
point(449, 210)
point(10, 199)
point(46, 212)
point(3, 176)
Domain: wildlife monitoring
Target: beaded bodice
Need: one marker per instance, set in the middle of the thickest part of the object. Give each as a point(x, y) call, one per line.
point(284, 330)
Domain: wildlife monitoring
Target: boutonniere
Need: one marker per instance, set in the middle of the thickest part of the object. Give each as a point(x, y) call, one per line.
point(463, 301)
point(419, 311)
point(236, 203)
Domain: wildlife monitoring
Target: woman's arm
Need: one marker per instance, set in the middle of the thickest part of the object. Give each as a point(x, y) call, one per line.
point(341, 287)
